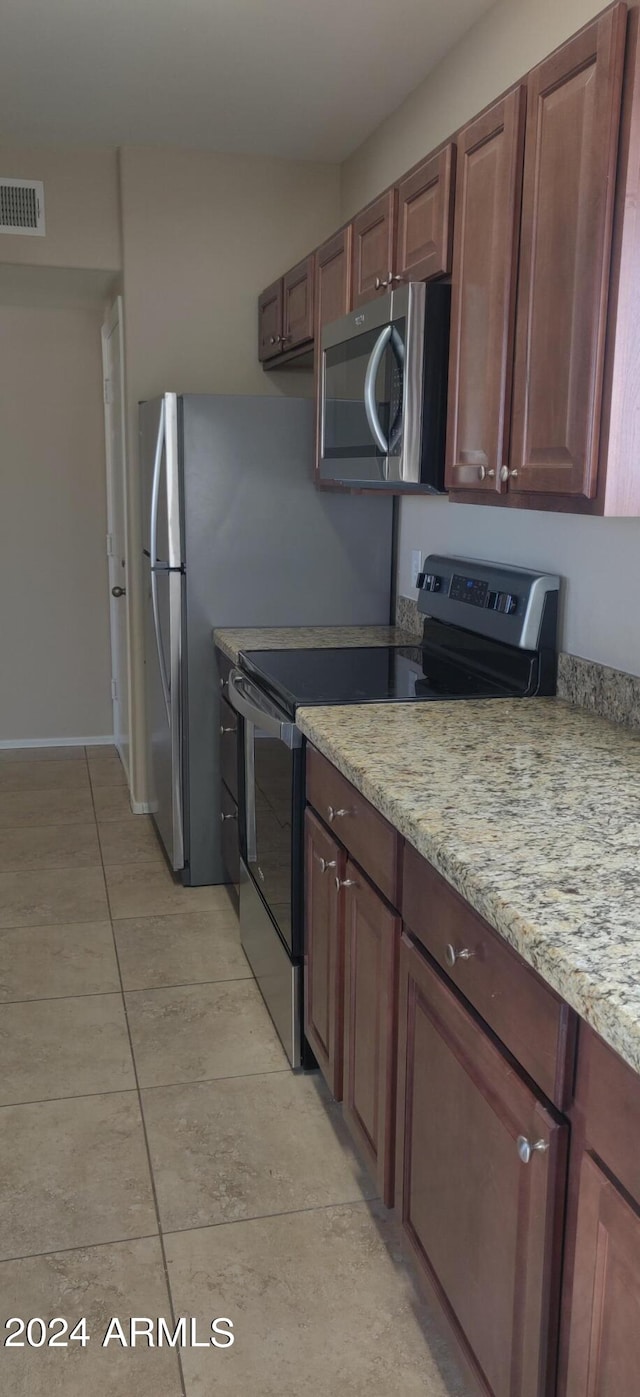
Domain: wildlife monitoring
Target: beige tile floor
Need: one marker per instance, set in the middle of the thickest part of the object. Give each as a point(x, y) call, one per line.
point(157, 1156)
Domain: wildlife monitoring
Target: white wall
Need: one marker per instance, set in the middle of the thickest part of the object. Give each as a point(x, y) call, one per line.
point(54, 615)
point(81, 206)
point(600, 559)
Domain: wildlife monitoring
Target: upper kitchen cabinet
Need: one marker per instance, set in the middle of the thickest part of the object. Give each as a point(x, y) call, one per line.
point(270, 322)
point(488, 186)
point(285, 316)
point(425, 218)
point(374, 233)
point(573, 115)
point(297, 305)
point(333, 279)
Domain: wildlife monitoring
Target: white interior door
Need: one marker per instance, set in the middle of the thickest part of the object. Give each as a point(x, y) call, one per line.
point(113, 363)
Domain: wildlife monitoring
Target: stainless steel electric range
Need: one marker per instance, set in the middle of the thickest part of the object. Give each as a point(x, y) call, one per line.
point(489, 632)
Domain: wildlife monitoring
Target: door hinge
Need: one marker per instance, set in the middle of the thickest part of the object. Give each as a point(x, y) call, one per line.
point(114, 689)
point(108, 397)
point(109, 545)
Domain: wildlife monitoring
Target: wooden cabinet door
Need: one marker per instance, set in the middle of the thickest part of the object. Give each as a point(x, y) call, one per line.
point(270, 321)
point(425, 218)
point(374, 232)
point(484, 1225)
point(485, 250)
point(573, 116)
point(333, 280)
point(297, 304)
point(604, 1334)
point(372, 933)
point(324, 951)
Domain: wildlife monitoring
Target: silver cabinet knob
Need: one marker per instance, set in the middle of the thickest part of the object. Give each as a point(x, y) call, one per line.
point(451, 955)
point(345, 883)
point(224, 730)
point(118, 591)
point(336, 814)
point(224, 817)
point(526, 1148)
point(325, 863)
point(275, 339)
point(484, 474)
point(506, 474)
point(381, 283)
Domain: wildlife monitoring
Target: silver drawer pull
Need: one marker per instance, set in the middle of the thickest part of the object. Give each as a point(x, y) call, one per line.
point(336, 814)
point(224, 730)
point(325, 863)
point(526, 1149)
point(224, 817)
point(451, 955)
point(345, 883)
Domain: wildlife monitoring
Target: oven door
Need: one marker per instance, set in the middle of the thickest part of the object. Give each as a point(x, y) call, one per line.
point(371, 391)
point(272, 801)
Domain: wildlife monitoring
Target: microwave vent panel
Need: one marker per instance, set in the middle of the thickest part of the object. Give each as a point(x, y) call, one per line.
point(22, 207)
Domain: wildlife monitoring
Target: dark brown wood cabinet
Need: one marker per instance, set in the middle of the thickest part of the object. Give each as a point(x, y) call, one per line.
point(324, 951)
point(333, 280)
point(488, 184)
point(604, 1346)
point(425, 218)
point(372, 933)
point(297, 304)
point(374, 235)
point(270, 322)
point(573, 117)
point(484, 1221)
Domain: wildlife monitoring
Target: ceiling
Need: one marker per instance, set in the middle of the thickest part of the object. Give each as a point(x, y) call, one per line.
point(304, 79)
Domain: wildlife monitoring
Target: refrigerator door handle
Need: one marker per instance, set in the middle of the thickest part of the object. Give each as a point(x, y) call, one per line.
point(174, 712)
point(155, 489)
point(162, 661)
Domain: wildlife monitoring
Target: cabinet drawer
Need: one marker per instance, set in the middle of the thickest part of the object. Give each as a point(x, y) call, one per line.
point(230, 837)
point(229, 747)
point(375, 845)
point(224, 670)
point(529, 1018)
point(608, 1096)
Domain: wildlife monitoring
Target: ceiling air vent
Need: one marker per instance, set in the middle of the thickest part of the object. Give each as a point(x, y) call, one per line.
point(22, 207)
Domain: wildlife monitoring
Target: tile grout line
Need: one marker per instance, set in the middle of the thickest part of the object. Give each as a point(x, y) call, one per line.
point(97, 994)
point(283, 1213)
point(154, 1086)
point(152, 1180)
point(80, 1246)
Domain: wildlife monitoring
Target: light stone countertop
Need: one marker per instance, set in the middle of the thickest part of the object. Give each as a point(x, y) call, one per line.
point(530, 808)
point(231, 642)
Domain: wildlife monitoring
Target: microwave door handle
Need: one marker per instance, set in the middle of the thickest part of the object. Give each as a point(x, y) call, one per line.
point(370, 404)
point(397, 347)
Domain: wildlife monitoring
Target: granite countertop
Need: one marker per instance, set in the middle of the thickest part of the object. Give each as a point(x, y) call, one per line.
point(231, 642)
point(530, 808)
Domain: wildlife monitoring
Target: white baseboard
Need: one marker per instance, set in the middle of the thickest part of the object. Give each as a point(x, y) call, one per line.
point(11, 742)
point(141, 807)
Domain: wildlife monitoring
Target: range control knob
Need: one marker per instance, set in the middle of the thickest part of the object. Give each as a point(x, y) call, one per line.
point(506, 603)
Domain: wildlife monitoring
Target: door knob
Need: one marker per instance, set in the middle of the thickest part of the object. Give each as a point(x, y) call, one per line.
point(118, 591)
point(526, 1149)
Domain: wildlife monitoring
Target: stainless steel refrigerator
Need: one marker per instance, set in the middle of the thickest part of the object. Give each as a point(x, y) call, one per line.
point(235, 534)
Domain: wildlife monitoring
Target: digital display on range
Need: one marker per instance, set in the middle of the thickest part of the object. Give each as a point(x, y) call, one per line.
point(469, 589)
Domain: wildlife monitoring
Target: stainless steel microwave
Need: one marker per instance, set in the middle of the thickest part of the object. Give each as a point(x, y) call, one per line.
point(383, 391)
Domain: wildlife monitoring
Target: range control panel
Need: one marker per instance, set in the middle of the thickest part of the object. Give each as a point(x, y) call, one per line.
point(504, 603)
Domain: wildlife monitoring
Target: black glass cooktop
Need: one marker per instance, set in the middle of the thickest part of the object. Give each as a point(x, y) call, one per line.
point(379, 674)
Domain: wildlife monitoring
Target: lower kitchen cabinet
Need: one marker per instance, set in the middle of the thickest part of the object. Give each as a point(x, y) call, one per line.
point(324, 951)
point(230, 842)
point(480, 1181)
point(372, 934)
point(604, 1339)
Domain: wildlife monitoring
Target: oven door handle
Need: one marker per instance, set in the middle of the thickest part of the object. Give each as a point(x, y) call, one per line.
point(249, 703)
point(370, 404)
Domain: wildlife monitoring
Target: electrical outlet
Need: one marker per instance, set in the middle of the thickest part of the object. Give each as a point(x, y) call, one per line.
point(416, 566)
